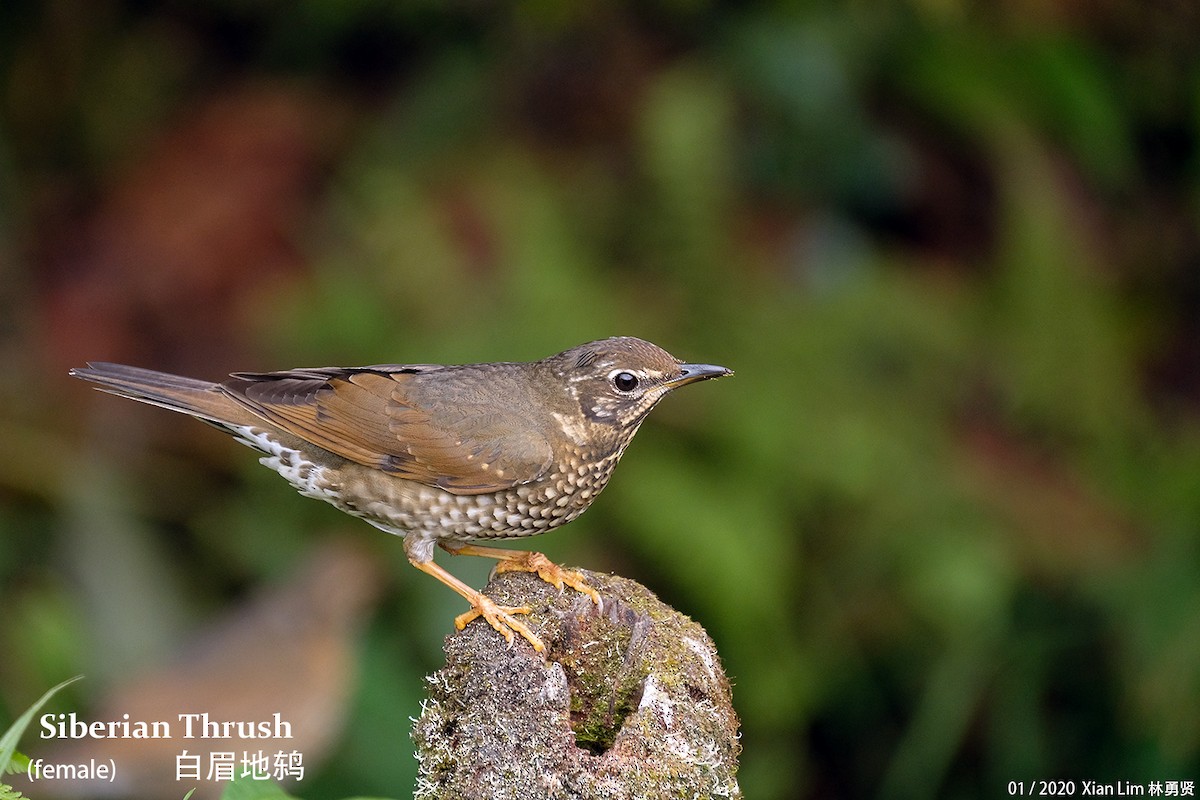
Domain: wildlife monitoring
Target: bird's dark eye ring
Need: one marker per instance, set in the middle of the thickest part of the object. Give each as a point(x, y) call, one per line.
point(625, 381)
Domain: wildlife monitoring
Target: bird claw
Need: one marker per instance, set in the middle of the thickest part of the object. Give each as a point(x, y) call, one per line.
point(501, 618)
point(547, 570)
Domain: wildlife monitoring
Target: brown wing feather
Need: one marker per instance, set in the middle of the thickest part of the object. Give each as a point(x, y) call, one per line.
point(377, 418)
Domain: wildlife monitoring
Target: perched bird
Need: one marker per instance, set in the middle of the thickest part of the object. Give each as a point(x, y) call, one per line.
point(441, 455)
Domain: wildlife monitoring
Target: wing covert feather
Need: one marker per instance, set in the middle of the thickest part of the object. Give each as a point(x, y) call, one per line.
point(384, 420)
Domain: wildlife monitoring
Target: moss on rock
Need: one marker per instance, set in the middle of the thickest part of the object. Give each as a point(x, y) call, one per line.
point(629, 702)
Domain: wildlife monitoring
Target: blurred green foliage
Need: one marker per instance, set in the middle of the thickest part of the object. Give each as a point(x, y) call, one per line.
point(944, 523)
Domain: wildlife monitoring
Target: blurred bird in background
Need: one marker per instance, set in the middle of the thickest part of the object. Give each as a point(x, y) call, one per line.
point(289, 650)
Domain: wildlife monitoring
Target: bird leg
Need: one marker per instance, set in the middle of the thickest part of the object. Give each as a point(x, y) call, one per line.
point(526, 561)
point(499, 617)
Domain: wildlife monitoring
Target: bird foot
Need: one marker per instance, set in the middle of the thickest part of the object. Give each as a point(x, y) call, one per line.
point(501, 618)
point(525, 561)
point(547, 570)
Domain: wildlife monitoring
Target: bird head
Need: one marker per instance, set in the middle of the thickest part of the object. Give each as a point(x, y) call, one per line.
point(616, 382)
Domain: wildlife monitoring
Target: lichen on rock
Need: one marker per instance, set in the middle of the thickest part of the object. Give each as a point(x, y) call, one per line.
point(629, 702)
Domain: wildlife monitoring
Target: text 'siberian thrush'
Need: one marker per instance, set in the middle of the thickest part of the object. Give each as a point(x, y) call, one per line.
point(441, 455)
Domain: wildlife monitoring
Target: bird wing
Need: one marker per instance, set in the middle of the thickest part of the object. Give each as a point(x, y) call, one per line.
point(382, 417)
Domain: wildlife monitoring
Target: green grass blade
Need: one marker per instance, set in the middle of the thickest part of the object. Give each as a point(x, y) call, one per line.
point(8, 742)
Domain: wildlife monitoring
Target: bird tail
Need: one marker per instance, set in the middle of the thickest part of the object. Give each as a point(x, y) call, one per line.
point(201, 399)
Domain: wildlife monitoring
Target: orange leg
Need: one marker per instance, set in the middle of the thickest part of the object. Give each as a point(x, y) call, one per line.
point(499, 617)
point(526, 561)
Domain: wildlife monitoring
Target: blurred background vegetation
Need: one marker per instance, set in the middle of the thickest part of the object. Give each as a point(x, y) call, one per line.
point(944, 524)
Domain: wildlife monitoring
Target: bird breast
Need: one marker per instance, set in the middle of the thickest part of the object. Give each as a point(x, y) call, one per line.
point(402, 506)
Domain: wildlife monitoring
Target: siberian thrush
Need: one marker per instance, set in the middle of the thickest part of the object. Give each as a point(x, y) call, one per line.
point(441, 455)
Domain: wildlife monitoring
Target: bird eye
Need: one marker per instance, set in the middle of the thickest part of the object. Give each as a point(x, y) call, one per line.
point(625, 381)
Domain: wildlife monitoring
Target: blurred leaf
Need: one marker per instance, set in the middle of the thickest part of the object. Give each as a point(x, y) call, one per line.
point(1064, 354)
point(991, 89)
point(246, 788)
point(11, 737)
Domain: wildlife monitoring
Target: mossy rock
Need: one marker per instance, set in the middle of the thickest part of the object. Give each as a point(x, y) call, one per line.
point(629, 702)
